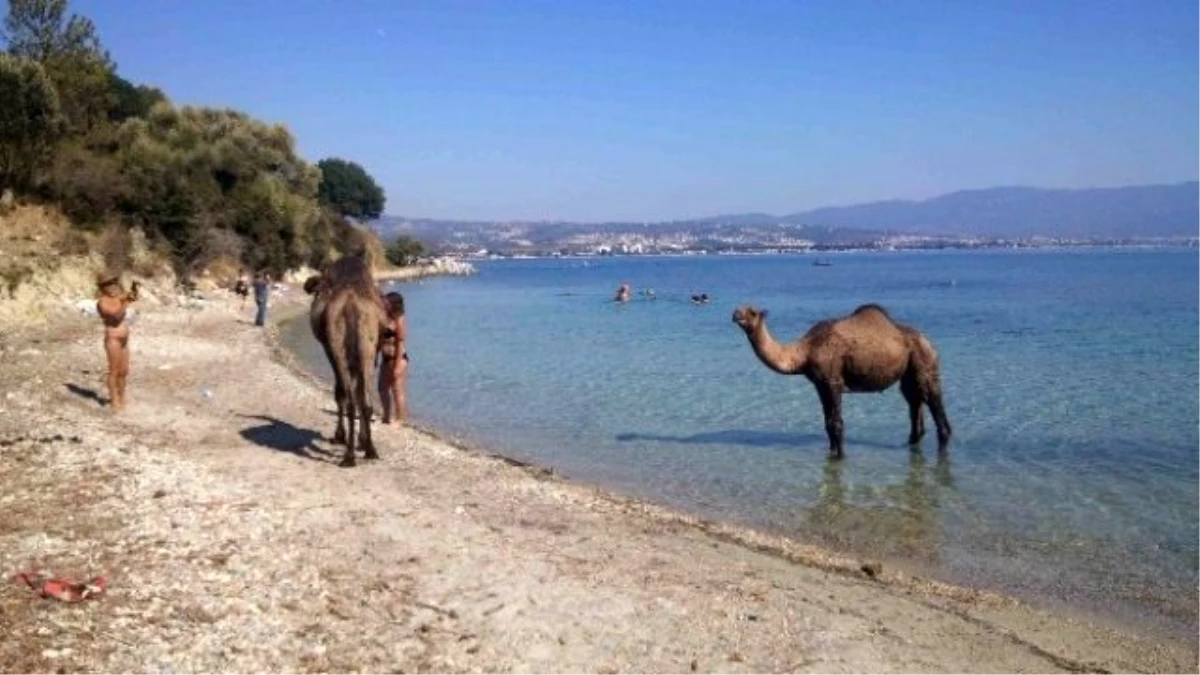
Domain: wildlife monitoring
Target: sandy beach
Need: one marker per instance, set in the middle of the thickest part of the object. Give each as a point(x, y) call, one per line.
point(231, 542)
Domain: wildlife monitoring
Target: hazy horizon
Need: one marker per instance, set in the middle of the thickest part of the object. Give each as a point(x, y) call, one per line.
point(659, 110)
point(388, 213)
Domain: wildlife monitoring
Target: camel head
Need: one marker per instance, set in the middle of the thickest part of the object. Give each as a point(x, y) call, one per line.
point(750, 318)
point(312, 284)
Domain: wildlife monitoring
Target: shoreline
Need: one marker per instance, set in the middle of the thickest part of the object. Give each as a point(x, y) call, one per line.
point(438, 267)
point(441, 556)
point(901, 573)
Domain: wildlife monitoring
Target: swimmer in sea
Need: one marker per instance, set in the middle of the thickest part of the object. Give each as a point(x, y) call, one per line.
point(623, 293)
point(393, 366)
point(112, 307)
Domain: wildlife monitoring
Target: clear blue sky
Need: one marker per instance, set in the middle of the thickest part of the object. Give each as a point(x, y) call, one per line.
point(652, 110)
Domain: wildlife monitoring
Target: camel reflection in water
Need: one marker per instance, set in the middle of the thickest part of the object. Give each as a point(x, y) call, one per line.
point(895, 520)
point(898, 519)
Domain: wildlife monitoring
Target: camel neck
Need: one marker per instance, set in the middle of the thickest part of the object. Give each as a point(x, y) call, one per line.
point(787, 359)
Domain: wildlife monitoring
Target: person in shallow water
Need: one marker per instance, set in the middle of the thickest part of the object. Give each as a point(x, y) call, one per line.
point(112, 306)
point(700, 298)
point(624, 294)
point(393, 366)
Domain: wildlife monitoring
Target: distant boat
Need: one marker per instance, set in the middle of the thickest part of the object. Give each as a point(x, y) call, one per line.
point(822, 263)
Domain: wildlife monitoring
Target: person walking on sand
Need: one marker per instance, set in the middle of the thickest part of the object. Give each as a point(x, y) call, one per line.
point(393, 367)
point(262, 290)
point(112, 307)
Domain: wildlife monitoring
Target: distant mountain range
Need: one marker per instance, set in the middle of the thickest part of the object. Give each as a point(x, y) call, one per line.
point(1126, 212)
point(1009, 213)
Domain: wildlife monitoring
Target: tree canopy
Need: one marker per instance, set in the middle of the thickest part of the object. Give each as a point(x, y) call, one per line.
point(130, 100)
point(206, 183)
point(404, 251)
point(69, 50)
point(30, 121)
point(349, 190)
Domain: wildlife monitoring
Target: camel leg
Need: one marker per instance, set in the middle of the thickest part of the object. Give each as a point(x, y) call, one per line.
point(932, 393)
point(351, 419)
point(916, 420)
point(938, 410)
point(831, 405)
point(362, 391)
point(339, 395)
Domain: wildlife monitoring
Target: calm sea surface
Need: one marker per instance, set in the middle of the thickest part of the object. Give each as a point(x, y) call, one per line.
point(1071, 378)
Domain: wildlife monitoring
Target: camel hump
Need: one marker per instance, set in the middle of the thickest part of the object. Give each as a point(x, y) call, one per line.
point(870, 307)
point(350, 272)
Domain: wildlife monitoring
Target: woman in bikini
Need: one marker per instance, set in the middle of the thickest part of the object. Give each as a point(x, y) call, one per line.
point(112, 308)
point(393, 368)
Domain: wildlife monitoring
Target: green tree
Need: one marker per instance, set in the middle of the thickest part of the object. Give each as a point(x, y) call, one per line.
point(30, 122)
point(349, 190)
point(127, 100)
point(70, 51)
point(190, 170)
point(404, 251)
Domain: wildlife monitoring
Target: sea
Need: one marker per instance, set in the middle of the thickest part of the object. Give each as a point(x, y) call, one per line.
point(1071, 377)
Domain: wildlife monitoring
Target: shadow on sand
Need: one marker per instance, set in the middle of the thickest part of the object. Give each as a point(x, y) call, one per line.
point(84, 392)
point(759, 439)
point(284, 437)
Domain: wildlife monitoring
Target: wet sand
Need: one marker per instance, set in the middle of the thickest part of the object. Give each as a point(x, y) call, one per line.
point(233, 542)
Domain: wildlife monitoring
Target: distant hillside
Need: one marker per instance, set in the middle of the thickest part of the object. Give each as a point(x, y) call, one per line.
point(1143, 211)
point(1005, 212)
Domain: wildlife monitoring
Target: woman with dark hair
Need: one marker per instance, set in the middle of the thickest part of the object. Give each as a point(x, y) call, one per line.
point(242, 286)
point(393, 367)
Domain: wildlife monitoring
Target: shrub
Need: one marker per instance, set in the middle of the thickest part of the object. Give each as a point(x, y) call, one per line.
point(31, 123)
point(404, 251)
point(89, 187)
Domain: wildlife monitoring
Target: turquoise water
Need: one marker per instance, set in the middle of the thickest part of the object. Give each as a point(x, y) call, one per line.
point(1071, 378)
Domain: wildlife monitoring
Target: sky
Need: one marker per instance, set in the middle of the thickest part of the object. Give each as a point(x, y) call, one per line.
point(648, 110)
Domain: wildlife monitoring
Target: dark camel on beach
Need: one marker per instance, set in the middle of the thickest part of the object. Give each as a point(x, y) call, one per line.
point(863, 352)
point(347, 318)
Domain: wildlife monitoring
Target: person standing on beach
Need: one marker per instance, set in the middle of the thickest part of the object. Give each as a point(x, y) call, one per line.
point(393, 367)
point(242, 286)
point(112, 307)
point(262, 290)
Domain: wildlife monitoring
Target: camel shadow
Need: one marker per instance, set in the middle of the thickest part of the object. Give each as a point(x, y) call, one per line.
point(285, 437)
point(748, 437)
point(84, 392)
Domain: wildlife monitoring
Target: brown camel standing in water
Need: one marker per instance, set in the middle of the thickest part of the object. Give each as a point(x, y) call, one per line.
point(347, 318)
point(863, 352)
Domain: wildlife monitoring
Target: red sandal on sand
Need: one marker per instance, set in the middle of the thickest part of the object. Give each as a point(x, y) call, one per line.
point(62, 589)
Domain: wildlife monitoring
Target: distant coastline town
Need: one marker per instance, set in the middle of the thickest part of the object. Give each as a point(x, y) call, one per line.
point(1153, 215)
point(509, 241)
point(605, 247)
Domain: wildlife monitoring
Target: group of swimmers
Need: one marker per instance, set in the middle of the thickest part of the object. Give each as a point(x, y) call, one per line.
point(113, 303)
point(625, 294)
